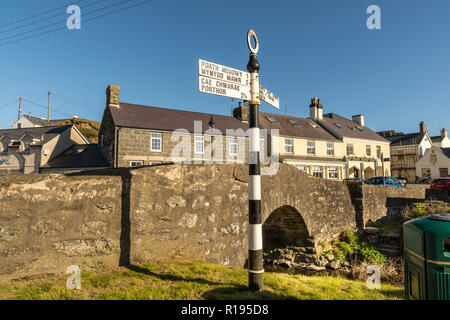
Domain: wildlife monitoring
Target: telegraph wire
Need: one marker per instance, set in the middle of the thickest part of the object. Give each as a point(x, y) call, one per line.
point(85, 21)
point(46, 108)
point(8, 104)
point(71, 102)
point(63, 22)
point(39, 14)
point(48, 18)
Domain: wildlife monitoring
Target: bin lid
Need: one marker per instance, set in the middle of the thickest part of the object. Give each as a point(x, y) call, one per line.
point(440, 217)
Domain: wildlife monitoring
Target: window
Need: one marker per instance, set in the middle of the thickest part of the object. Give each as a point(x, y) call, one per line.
point(378, 152)
point(301, 168)
point(368, 150)
point(443, 172)
point(330, 148)
point(317, 171)
point(136, 163)
point(294, 123)
point(272, 120)
point(340, 126)
point(350, 149)
point(19, 125)
point(156, 142)
point(313, 125)
point(288, 146)
point(311, 147)
point(233, 147)
point(333, 173)
point(199, 144)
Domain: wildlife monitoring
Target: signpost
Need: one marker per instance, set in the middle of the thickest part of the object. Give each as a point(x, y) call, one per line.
point(228, 82)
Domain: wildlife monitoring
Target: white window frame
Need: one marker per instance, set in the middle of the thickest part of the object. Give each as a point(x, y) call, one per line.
point(353, 149)
point(330, 151)
point(233, 142)
point(155, 136)
point(314, 170)
point(309, 147)
point(288, 145)
point(301, 167)
point(369, 147)
point(136, 161)
point(333, 170)
point(199, 139)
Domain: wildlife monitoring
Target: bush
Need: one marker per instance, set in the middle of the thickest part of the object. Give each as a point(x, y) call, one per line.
point(419, 211)
point(353, 248)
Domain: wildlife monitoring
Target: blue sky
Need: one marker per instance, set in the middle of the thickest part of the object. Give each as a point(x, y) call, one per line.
point(396, 76)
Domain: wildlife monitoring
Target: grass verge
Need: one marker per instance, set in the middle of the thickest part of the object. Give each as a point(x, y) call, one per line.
point(192, 280)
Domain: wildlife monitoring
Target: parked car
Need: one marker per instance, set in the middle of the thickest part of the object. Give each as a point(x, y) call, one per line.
point(387, 181)
point(441, 183)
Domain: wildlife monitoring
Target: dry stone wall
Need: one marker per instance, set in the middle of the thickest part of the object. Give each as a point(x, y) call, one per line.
point(122, 216)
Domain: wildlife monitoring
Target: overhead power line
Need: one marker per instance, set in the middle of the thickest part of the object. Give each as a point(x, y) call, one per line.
point(39, 14)
point(71, 102)
point(46, 108)
point(62, 22)
point(84, 21)
point(8, 104)
point(47, 18)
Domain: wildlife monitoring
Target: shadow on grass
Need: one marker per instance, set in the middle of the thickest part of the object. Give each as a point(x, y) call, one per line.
point(171, 277)
point(240, 292)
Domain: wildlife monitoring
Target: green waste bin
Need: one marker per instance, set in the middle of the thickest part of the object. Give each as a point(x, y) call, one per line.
point(427, 258)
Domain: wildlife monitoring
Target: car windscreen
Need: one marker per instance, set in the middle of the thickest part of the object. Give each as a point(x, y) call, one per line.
point(441, 180)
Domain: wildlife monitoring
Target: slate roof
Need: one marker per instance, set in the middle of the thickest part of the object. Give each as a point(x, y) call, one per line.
point(155, 118)
point(348, 129)
point(436, 139)
point(406, 139)
point(307, 128)
point(44, 134)
point(79, 156)
point(446, 151)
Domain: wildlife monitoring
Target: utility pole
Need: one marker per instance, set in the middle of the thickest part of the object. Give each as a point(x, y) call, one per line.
point(255, 248)
point(48, 112)
point(20, 108)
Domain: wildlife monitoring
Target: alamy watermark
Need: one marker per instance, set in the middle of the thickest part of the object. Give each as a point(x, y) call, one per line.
point(74, 20)
point(374, 20)
point(212, 147)
point(74, 281)
point(374, 280)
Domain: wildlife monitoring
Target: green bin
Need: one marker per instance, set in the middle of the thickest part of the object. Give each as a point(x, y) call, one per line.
point(427, 258)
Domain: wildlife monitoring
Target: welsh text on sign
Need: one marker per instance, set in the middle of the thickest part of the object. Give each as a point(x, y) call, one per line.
point(223, 88)
point(269, 97)
point(219, 72)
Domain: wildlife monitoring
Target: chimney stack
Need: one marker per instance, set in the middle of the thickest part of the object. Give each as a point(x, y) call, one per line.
point(423, 127)
point(315, 109)
point(359, 118)
point(112, 96)
point(241, 112)
point(444, 133)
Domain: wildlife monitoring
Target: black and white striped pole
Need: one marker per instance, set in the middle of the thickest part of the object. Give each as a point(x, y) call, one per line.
point(255, 248)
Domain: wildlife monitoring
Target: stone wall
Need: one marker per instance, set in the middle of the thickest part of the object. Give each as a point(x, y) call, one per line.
point(121, 216)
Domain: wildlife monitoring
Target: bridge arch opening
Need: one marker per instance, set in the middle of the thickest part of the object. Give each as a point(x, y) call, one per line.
point(285, 227)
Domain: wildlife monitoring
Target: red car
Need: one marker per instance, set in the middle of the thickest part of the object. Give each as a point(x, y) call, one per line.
point(441, 183)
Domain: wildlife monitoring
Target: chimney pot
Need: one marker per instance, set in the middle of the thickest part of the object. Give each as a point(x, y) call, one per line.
point(423, 127)
point(315, 109)
point(444, 133)
point(112, 96)
point(241, 112)
point(359, 118)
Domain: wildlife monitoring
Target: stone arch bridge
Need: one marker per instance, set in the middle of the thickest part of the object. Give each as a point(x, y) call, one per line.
point(121, 216)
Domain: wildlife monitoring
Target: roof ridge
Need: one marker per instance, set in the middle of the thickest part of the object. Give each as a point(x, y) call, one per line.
point(177, 110)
